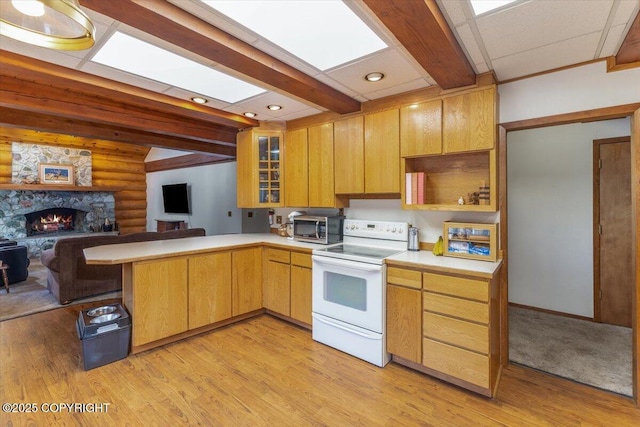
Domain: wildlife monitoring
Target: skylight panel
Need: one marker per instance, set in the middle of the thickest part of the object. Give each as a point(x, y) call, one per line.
point(483, 6)
point(135, 56)
point(324, 33)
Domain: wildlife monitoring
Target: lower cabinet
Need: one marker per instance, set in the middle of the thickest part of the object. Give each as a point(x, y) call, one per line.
point(246, 280)
point(287, 284)
point(209, 288)
point(445, 325)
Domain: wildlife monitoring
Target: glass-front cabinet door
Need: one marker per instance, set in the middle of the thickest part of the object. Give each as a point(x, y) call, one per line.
point(269, 169)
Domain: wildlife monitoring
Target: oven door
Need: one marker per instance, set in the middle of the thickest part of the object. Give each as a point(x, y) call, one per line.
point(349, 291)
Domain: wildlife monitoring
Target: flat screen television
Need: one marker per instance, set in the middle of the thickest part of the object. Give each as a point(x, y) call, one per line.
point(175, 198)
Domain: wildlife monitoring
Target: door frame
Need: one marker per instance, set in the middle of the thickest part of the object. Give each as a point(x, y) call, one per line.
point(617, 112)
point(597, 143)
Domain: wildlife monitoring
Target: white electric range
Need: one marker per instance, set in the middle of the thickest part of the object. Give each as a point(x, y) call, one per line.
point(349, 288)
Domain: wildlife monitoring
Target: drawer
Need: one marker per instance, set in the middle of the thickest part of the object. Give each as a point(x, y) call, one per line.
point(403, 277)
point(456, 332)
point(456, 362)
point(301, 259)
point(277, 255)
point(456, 286)
point(456, 307)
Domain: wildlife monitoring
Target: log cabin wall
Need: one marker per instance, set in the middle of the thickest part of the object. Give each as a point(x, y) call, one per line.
point(115, 164)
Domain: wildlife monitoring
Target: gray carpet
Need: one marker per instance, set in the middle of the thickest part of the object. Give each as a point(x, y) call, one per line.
point(32, 295)
point(587, 352)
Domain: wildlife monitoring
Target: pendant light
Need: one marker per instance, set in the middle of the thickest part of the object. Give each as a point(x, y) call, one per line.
point(54, 24)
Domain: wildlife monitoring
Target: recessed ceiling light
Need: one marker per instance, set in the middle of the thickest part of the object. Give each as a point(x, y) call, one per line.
point(249, 114)
point(374, 77)
point(274, 107)
point(199, 100)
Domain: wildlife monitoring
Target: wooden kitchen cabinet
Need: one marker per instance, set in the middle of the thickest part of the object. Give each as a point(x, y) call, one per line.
point(277, 283)
point(404, 313)
point(258, 168)
point(308, 166)
point(421, 129)
point(160, 291)
point(209, 289)
point(469, 121)
point(301, 287)
point(246, 280)
point(461, 330)
point(382, 152)
point(349, 155)
point(296, 169)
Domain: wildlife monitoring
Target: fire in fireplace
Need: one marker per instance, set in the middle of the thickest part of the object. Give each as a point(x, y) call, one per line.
point(51, 221)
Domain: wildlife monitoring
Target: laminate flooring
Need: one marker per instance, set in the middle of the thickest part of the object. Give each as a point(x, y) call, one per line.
point(264, 371)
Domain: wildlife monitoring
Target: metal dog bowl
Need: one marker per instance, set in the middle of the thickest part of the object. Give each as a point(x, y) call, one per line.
point(99, 311)
point(105, 318)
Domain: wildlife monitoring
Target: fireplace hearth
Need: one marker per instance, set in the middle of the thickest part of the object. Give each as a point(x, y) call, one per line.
point(55, 220)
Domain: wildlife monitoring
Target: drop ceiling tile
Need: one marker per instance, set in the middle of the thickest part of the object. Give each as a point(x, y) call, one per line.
point(121, 76)
point(48, 55)
point(396, 69)
point(286, 57)
point(535, 24)
point(186, 95)
point(300, 114)
point(454, 10)
point(482, 68)
point(627, 9)
point(573, 51)
point(404, 87)
point(612, 41)
point(258, 105)
point(469, 42)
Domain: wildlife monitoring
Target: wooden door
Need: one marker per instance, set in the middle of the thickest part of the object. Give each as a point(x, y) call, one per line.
point(276, 291)
point(613, 234)
point(421, 129)
point(209, 289)
point(296, 169)
point(469, 122)
point(246, 280)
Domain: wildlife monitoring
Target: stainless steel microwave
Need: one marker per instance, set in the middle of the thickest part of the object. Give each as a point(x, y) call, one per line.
point(318, 229)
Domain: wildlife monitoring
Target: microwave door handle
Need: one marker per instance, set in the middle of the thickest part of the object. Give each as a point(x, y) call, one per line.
point(317, 229)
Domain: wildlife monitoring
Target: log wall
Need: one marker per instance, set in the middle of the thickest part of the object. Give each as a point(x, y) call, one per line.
point(115, 164)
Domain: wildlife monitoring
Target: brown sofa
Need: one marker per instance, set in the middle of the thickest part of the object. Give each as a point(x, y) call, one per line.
point(69, 277)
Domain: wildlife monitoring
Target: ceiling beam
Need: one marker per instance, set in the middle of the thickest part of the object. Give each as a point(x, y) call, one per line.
point(629, 52)
point(176, 26)
point(25, 68)
point(423, 31)
point(186, 161)
point(16, 118)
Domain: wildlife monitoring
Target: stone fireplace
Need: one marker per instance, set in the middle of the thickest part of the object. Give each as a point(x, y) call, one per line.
point(37, 219)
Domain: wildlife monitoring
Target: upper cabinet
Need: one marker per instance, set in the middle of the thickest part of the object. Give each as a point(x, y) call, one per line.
point(296, 170)
point(349, 155)
point(308, 165)
point(421, 129)
point(469, 121)
point(258, 168)
point(382, 152)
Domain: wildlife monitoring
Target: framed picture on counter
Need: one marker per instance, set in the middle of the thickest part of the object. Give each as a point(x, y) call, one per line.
point(56, 174)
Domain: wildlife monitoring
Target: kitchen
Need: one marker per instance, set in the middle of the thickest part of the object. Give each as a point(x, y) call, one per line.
point(431, 222)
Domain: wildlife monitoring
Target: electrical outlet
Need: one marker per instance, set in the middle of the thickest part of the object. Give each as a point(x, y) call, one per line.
point(229, 213)
point(249, 214)
point(278, 219)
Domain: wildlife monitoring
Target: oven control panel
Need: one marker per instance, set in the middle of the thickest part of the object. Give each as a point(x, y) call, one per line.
point(386, 230)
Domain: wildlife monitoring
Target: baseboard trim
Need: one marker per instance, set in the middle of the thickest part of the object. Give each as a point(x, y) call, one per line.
point(557, 313)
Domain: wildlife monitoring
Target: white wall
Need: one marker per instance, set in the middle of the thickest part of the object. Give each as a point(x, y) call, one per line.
point(213, 195)
point(574, 89)
point(550, 205)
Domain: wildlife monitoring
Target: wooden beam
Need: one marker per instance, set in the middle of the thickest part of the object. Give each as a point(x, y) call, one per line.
point(629, 52)
point(174, 25)
point(25, 68)
point(187, 161)
point(15, 118)
point(421, 28)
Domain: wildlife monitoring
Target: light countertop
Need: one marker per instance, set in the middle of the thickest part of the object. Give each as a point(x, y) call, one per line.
point(140, 251)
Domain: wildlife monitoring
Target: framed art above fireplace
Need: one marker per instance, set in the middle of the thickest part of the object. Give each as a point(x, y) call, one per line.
point(56, 174)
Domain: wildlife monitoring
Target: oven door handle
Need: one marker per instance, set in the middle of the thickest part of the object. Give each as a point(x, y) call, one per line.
point(371, 336)
point(348, 264)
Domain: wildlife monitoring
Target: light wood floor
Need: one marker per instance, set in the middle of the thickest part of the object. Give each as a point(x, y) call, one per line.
point(267, 372)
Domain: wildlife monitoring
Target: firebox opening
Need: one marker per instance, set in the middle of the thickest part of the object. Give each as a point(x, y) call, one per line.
point(55, 220)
